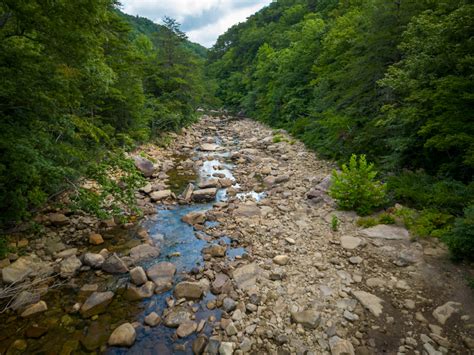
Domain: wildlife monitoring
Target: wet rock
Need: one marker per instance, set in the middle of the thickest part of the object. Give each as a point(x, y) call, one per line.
point(25, 298)
point(208, 183)
point(199, 345)
point(444, 312)
point(36, 308)
point(221, 284)
point(176, 316)
point(309, 319)
point(188, 290)
point(213, 346)
point(70, 266)
point(153, 319)
point(123, 335)
point(384, 231)
point(96, 239)
point(114, 265)
point(96, 303)
point(340, 346)
point(186, 328)
point(36, 331)
point(160, 195)
point(138, 276)
point(188, 192)
point(23, 267)
point(204, 195)
point(215, 250)
point(246, 276)
point(195, 217)
point(93, 260)
point(369, 301)
point(143, 252)
point(162, 275)
point(134, 293)
point(208, 147)
point(281, 259)
point(96, 335)
point(57, 219)
point(350, 243)
point(144, 165)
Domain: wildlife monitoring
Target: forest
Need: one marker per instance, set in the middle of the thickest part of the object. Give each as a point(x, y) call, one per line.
point(388, 79)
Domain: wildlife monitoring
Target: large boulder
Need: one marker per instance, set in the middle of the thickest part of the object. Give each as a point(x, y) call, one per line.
point(249, 210)
point(143, 252)
point(384, 231)
point(123, 335)
point(25, 266)
point(70, 266)
point(160, 195)
point(162, 275)
point(195, 217)
point(188, 290)
point(94, 260)
point(204, 194)
point(144, 165)
point(114, 265)
point(96, 303)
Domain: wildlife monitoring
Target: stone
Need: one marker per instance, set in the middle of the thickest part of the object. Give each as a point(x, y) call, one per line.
point(221, 283)
point(96, 239)
point(355, 260)
point(135, 293)
point(153, 319)
point(430, 350)
point(24, 298)
point(204, 194)
point(350, 243)
point(124, 335)
point(18, 346)
point(138, 276)
point(225, 182)
point(195, 217)
point(22, 268)
point(188, 192)
point(188, 290)
point(114, 265)
point(309, 319)
point(212, 182)
point(96, 303)
point(444, 312)
point(199, 345)
point(228, 304)
point(145, 166)
point(385, 231)
point(93, 260)
point(246, 276)
point(248, 211)
point(281, 259)
point(36, 331)
point(186, 328)
point(97, 334)
point(375, 282)
point(160, 195)
point(176, 316)
point(231, 329)
point(215, 250)
point(369, 301)
point(70, 266)
point(144, 252)
point(66, 253)
point(340, 346)
point(208, 147)
point(162, 275)
point(89, 288)
point(57, 219)
point(226, 348)
point(36, 308)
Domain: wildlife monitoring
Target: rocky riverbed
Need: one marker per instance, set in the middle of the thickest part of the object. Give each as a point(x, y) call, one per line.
point(236, 254)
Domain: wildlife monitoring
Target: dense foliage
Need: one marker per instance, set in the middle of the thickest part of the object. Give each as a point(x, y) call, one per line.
point(78, 81)
point(389, 79)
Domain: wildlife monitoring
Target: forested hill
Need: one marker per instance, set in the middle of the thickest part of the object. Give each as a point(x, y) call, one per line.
point(80, 84)
point(389, 79)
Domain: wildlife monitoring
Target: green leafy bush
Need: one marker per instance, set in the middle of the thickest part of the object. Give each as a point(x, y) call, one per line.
point(355, 188)
point(386, 218)
point(367, 222)
point(334, 223)
point(425, 223)
point(460, 239)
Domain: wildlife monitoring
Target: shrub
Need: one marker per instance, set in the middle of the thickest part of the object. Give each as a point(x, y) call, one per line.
point(334, 223)
point(386, 218)
point(425, 223)
point(460, 239)
point(355, 188)
point(367, 222)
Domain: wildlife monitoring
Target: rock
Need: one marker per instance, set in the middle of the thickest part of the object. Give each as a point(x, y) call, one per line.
point(176, 316)
point(153, 319)
point(444, 312)
point(89, 288)
point(138, 276)
point(18, 346)
point(36, 331)
point(215, 250)
point(281, 259)
point(369, 301)
point(204, 195)
point(162, 275)
point(246, 276)
point(70, 266)
point(143, 252)
point(96, 239)
point(188, 290)
point(231, 329)
point(350, 243)
point(96, 303)
point(57, 219)
point(430, 350)
point(226, 348)
point(384, 231)
point(195, 217)
point(186, 328)
point(225, 182)
point(340, 346)
point(309, 319)
point(66, 253)
point(36, 308)
point(220, 284)
point(24, 298)
point(123, 335)
point(188, 192)
point(23, 267)
point(54, 245)
point(114, 265)
point(355, 260)
point(208, 183)
point(93, 260)
point(134, 293)
point(199, 345)
point(96, 335)
point(144, 165)
point(208, 147)
point(228, 304)
point(247, 211)
point(160, 195)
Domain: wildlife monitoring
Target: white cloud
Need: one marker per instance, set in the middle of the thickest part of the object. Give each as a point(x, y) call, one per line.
point(204, 20)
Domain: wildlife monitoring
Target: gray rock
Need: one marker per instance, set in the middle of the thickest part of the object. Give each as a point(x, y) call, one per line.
point(70, 266)
point(144, 165)
point(195, 217)
point(309, 319)
point(188, 290)
point(138, 276)
point(25, 266)
point(186, 328)
point(226, 348)
point(369, 301)
point(199, 345)
point(188, 192)
point(246, 276)
point(228, 304)
point(93, 260)
point(350, 243)
point(135, 293)
point(209, 147)
point(383, 231)
point(221, 284)
point(114, 265)
point(176, 316)
point(247, 211)
point(340, 346)
point(153, 319)
point(124, 335)
point(444, 312)
point(160, 195)
point(143, 252)
point(25, 298)
point(204, 194)
point(57, 219)
point(162, 275)
point(96, 303)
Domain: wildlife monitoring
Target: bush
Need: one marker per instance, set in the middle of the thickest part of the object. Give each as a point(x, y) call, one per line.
point(3, 246)
point(355, 188)
point(425, 223)
point(460, 239)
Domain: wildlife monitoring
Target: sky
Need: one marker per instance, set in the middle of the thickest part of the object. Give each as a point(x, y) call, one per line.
point(202, 20)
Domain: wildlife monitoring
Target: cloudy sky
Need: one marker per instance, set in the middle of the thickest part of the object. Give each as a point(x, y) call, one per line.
point(202, 20)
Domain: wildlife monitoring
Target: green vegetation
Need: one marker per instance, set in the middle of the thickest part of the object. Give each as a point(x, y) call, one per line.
point(460, 238)
point(383, 218)
point(334, 223)
point(355, 188)
point(80, 80)
point(388, 79)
